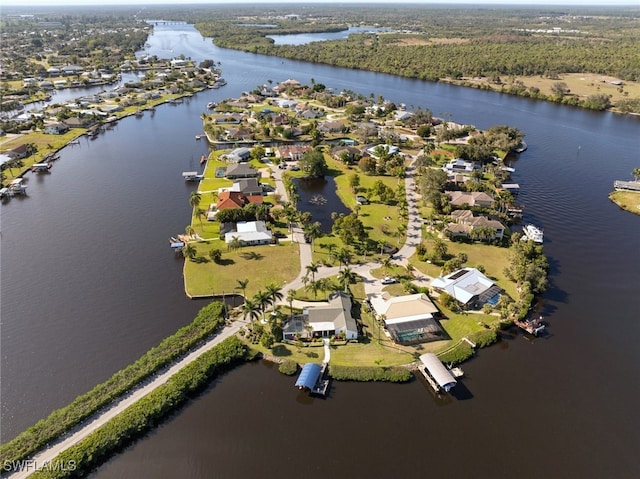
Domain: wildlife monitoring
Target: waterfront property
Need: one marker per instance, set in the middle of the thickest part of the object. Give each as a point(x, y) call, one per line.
point(250, 233)
point(241, 170)
point(469, 287)
point(472, 198)
point(466, 224)
point(409, 319)
point(326, 319)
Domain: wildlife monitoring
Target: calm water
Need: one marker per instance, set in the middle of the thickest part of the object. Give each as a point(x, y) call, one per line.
point(318, 197)
point(89, 284)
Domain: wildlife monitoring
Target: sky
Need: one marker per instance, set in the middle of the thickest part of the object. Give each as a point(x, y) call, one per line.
point(175, 2)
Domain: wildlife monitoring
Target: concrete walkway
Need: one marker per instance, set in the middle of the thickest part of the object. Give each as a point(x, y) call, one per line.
point(48, 455)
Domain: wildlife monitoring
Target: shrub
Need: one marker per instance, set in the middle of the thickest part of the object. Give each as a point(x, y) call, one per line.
point(288, 367)
point(144, 414)
point(390, 374)
point(460, 353)
point(208, 319)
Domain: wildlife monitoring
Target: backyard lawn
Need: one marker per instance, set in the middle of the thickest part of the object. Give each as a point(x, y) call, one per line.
point(262, 265)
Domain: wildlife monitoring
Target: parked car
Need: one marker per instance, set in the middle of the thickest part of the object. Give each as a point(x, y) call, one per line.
point(388, 280)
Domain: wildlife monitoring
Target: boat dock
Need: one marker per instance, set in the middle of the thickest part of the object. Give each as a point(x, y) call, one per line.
point(437, 375)
point(312, 379)
point(531, 326)
point(192, 176)
point(41, 167)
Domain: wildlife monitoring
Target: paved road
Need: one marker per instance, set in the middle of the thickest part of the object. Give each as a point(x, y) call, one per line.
point(371, 285)
point(49, 454)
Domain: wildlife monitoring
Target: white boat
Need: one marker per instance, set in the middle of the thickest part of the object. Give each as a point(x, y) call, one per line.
point(533, 233)
point(211, 105)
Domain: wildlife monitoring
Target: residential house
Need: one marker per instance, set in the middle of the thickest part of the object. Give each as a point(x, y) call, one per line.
point(55, 129)
point(469, 287)
point(330, 126)
point(470, 198)
point(389, 149)
point(409, 319)
point(241, 170)
point(350, 153)
point(293, 152)
point(239, 134)
point(460, 166)
point(239, 155)
point(466, 224)
point(324, 320)
point(250, 233)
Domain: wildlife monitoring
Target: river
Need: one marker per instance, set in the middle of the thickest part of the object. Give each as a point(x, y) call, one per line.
point(89, 284)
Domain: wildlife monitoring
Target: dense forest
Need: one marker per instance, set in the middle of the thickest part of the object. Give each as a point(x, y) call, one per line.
point(436, 43)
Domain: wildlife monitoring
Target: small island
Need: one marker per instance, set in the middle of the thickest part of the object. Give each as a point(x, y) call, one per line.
point(424, 259)
point(626, 194)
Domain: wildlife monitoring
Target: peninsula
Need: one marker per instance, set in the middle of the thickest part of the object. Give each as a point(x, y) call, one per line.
point(430, 225)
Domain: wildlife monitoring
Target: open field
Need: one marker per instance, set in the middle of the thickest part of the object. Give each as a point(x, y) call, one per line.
point(579, 84)
point(262, 265)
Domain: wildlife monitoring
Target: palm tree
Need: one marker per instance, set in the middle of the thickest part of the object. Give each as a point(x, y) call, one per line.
point(324, 284)
point(313, 286)
point(331, 248)
point(235, 243)
point(263, 299)
point(189, 251)
point(194, 199)
point(313, 231)
point(386, 264)
point(275, 293)
point(201, 213)
point(346, 277)
point(313, 269)
point(242, 284)
point(344, 256)
point(636, 173)
point(250, 309)
point(291, 295)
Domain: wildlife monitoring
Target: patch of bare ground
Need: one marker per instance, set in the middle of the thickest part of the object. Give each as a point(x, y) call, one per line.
point(579, 84)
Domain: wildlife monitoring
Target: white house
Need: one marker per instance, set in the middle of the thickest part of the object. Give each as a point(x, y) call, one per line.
point(469, 287)
point(250, 233)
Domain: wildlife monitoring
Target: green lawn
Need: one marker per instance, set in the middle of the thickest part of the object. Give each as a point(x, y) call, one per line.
point(262, 265)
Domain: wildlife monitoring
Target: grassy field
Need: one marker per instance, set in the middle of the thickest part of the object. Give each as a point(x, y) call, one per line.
point(627, 200)
point(262, 265)
point(579, 84)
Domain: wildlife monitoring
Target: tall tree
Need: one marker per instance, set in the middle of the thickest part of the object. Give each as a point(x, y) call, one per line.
point(194, 199)
point(250, 309)
point(242, 284)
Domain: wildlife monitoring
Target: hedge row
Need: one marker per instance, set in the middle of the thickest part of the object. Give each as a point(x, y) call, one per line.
point(207, 320)
point(460, 353)
point(146, 413)
point(353, 373)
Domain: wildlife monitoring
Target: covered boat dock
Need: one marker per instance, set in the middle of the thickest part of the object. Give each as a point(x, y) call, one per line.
point(312, 379)
point(438, 376)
